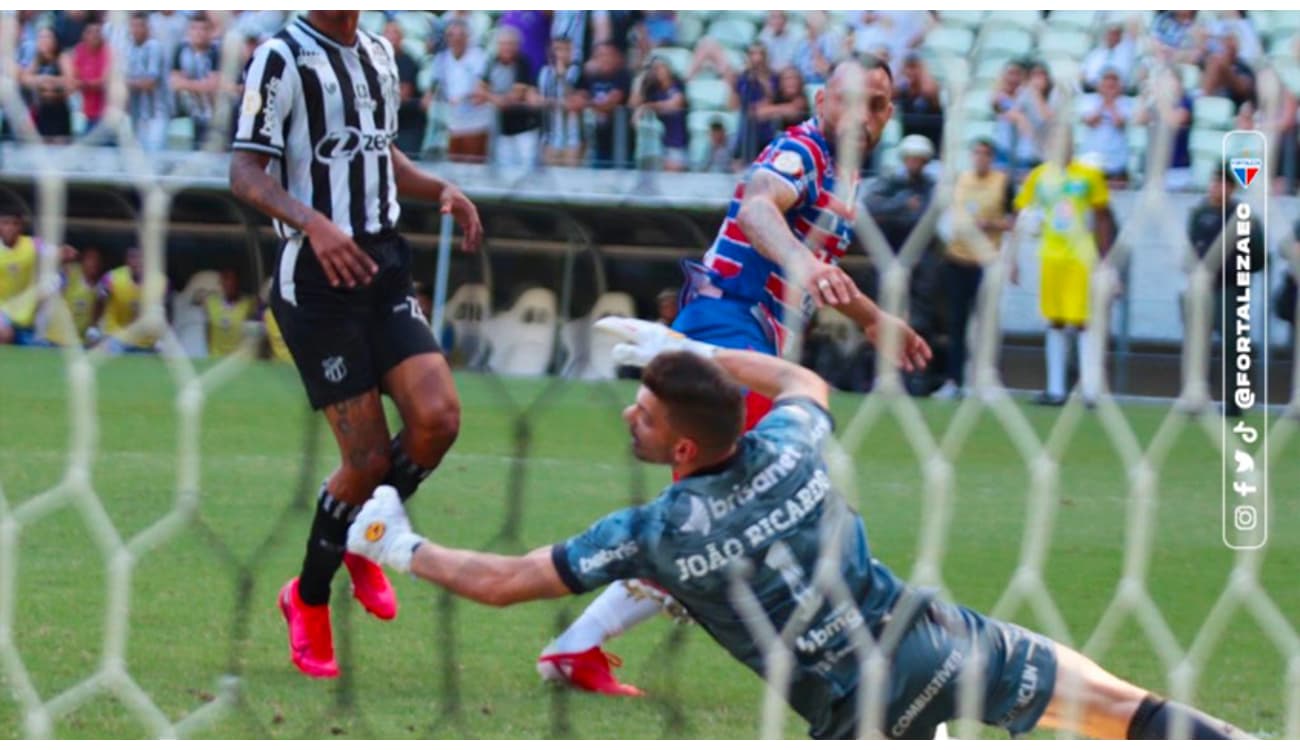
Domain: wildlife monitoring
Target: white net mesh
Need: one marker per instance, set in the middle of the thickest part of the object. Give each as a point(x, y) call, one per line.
point(1145, 460)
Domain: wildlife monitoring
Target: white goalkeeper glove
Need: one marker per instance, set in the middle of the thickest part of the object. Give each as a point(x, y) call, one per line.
point(641, 341)
point(382, 532)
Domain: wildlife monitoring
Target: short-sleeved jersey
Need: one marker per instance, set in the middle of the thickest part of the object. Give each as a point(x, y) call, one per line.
point(18, 281)
point(327, 113)
point(1069, 202)
point(802, 160)
point(226, 323)
point(764, 507)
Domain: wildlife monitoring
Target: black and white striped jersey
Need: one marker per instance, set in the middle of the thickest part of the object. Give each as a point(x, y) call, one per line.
point(327, 114)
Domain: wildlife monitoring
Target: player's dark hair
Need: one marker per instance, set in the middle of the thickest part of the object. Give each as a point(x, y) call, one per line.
point(871, 62)
point(703, 403)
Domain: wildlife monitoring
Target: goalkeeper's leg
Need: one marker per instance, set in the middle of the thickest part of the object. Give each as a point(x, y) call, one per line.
point(1092, 702)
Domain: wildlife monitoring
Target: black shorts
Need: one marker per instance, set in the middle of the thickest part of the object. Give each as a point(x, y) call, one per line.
point(344, 340)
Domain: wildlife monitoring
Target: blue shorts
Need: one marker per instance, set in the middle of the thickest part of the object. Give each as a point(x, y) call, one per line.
point(1019, 675)
point(22, 336)
point(728, 323)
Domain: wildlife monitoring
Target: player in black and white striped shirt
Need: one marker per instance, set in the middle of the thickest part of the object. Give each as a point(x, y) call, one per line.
point(315, 150)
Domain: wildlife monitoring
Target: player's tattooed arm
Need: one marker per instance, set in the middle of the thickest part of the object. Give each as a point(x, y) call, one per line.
point(413, 181)
point(773, 377)
point(343, 262)
point(762, 219)
point(495, 580)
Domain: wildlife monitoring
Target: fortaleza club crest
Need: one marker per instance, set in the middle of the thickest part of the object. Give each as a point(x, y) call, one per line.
point(1245, 169)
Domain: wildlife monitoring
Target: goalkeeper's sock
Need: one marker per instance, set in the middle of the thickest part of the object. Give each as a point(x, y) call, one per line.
point(1088, 380)
point(325, 547)
point(404, 474)
point(1055, 348)
point(1155, 719)
point(616, 609)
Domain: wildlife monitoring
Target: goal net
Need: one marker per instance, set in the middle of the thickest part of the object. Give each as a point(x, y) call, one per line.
point(149, 507)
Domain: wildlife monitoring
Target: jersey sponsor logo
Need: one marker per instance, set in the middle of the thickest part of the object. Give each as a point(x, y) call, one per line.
point(604, 557)
point(946, 672)
point(815, 638)
point(765, 480)
point(788, 163)
point(342, 145)
point(698, 521)
point(270, 108)
point(335, 369)
point(252, 102)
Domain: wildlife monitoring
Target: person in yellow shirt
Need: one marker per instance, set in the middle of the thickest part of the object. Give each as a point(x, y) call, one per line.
point(1077, 229)
point(226, 313)
point(18, 291)
point(981, 208)
point(117, 306)
point(82, 272)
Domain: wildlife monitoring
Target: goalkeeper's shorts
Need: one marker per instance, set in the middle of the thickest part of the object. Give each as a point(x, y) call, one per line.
point(930, 663)
point(1063, 291)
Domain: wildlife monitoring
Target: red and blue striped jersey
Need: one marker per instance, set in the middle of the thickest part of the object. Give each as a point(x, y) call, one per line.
point(803, 160)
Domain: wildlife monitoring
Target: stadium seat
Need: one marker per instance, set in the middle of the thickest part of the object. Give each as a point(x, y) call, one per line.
point(755, 17)
point(1205, 142)
point(1025, 20)
point(1064, 68)
point(947, 40)
point(697, 121)
point(416, 50)
point(523, 337)
point(480, 28)
point(1079, 20)
point(180, 134)
point(892, 134)
point(372, 21)
point(988, 71)
point(1059, 42)
point(974, 129)
point(416, 24)
point(690, 27)
point(735, 33)
point(708, 94)
point(1289, 73)
point(466, 313)
point(1012, 42)
point(189, 321)
point(1282, 23)
point(977, 104)
point(1191, 77)
point(810, 92)
point(588, 352)
point(1213, 112)
point(967, 19)
point(678, 58)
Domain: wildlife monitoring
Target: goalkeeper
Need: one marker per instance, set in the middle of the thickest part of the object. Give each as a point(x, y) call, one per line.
point(760, 505)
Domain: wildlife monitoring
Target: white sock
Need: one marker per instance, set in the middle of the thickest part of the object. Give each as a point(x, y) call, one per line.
point(1088, 372)
point(1055, 346)
point(614, 611)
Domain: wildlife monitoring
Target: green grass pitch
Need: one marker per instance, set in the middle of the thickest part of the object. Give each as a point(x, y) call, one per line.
point(470, 673)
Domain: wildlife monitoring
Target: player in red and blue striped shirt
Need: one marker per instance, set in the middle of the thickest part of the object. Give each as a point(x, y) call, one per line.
point(777, 249)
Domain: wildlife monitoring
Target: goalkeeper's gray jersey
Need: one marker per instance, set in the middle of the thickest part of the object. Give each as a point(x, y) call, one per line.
point(764, 509)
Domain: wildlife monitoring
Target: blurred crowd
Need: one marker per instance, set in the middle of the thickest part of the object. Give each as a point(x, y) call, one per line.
point(706, 90)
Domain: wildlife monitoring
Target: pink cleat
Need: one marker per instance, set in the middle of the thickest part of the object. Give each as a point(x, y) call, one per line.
point(589, 670)
point(311, 641)
point(371, 587)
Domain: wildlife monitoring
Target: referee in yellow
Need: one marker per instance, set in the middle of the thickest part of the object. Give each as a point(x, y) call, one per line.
point(1077, 229)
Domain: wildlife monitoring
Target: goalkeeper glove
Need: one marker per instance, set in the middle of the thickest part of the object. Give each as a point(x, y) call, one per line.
point(641, 341)
point(382, 532)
